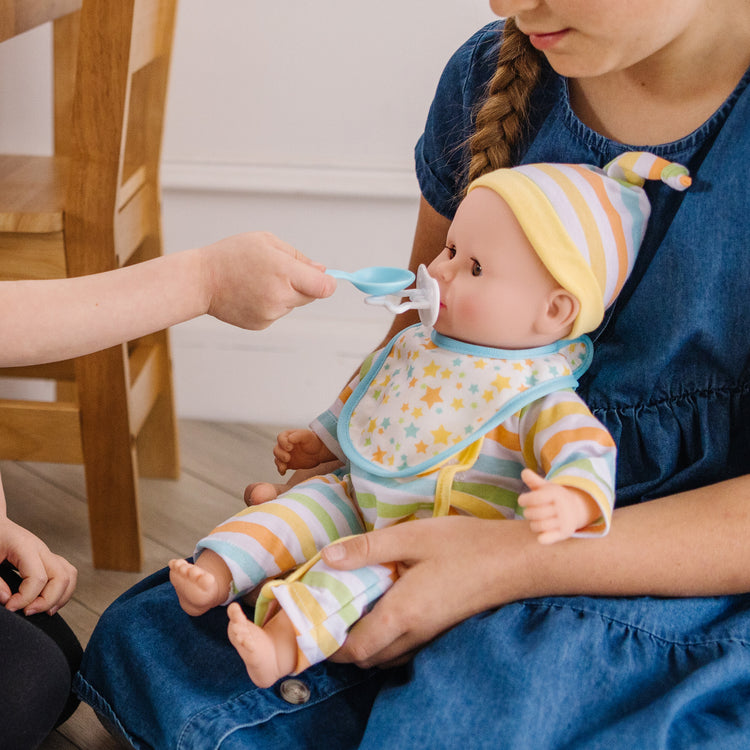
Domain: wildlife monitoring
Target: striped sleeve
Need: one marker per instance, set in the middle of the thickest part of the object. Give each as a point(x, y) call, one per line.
point(562, 441)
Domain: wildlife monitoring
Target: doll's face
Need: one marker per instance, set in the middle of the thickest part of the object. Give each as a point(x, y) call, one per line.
point(494, 290)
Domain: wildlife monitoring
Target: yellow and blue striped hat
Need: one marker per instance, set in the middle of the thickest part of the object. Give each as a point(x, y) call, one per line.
point(585, 223)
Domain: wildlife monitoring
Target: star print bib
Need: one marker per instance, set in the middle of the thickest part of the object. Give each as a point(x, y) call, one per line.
point(427, 397)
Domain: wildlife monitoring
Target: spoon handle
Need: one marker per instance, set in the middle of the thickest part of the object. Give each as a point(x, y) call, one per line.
point(338, 274)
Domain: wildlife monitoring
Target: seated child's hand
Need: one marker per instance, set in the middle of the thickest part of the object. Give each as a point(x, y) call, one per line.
point(555, 512)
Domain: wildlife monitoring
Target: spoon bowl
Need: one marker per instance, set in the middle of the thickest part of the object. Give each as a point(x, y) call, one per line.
point(376, 279)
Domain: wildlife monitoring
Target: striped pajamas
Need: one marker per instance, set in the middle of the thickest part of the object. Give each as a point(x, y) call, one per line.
point(555, 435)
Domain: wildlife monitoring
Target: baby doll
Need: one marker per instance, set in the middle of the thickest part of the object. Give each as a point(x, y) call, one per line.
point(477, 416)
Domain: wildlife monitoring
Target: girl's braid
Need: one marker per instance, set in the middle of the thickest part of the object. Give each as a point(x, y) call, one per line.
point(501, 120)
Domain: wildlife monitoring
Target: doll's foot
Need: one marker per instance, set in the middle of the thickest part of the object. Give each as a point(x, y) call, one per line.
point(197, 589)
point(265, 663)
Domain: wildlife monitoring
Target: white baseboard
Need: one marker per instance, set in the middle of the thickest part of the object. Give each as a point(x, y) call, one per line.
point(290, 180)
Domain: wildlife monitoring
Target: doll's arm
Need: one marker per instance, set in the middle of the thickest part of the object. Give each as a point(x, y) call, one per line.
point(300, 449)
point(261, 492)
point(555, 512)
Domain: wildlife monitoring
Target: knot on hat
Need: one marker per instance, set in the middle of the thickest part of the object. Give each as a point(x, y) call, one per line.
point(586, 224)
point(635, 167)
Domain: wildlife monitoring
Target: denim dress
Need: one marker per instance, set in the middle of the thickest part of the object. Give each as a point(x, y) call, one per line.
point(670, 379)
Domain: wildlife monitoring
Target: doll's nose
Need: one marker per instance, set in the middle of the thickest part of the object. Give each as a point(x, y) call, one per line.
point(442, 270)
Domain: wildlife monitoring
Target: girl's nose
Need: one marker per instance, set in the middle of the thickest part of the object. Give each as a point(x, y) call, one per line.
point(506, 8)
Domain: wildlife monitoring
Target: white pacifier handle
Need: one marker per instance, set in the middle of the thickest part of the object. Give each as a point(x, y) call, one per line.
point(425, 298)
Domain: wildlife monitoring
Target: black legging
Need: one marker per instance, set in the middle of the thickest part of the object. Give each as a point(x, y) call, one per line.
point(38, 656)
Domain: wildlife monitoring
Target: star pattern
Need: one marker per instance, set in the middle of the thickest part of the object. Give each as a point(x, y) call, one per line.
point(404, 419)
point(432, 396)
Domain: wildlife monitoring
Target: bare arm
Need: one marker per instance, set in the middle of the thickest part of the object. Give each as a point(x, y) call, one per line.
point(248, 280)
point(429, 241)
point(691, 544)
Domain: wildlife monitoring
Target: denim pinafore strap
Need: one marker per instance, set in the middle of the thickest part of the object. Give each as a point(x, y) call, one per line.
point(670, 376)
point(669, 380)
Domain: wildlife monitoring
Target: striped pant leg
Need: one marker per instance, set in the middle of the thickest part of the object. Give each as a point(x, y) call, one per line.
point(277, 536)
point(323, 603)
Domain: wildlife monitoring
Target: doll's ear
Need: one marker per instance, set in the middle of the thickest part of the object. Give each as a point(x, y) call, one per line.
point(559, 314)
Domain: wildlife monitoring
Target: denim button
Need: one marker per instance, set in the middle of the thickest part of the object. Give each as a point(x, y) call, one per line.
point(294, 692)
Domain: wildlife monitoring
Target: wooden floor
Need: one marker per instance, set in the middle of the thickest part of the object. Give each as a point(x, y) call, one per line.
point(218, 461)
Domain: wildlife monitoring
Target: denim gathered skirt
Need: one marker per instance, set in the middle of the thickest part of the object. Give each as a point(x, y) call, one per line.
point(540, 674)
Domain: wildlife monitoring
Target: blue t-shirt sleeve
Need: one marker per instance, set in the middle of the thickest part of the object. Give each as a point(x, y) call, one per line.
point(441, 153)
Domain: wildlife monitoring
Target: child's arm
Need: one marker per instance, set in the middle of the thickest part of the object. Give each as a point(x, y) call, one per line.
point(248, 280)
point(300, 449)
point(555, 512)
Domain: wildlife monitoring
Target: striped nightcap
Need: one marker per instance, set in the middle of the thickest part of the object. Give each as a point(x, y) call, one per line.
point(585, 223)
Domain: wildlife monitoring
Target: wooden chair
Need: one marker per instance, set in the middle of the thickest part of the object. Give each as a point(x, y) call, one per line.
point(95, 206)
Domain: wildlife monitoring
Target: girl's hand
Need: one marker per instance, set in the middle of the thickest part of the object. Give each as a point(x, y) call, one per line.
point(255, 278)
point(449, 569)
point(48, 579)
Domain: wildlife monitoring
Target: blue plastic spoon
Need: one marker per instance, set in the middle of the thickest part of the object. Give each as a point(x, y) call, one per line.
point(376, 279)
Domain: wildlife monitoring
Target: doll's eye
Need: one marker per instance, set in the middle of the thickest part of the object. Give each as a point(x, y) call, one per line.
point(476, 268)
point(451, 251)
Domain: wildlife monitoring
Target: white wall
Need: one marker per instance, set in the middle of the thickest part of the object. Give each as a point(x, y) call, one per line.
point(295, 117)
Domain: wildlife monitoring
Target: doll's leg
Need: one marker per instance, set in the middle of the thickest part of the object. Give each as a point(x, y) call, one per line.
point(323, 603)
point(266, 540)
point(270, 652)
point(203, 585)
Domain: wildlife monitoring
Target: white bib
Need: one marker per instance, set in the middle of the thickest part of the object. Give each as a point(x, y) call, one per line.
point(426, 397)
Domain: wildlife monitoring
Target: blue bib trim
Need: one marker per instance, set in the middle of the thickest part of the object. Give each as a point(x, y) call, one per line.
point(424, 392)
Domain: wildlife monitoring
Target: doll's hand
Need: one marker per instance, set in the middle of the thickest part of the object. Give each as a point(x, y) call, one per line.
point(261, 492)
point(299, 449)
point(555, 512)
point(48, 580)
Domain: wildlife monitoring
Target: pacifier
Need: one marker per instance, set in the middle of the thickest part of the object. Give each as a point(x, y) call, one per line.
point(425, 298)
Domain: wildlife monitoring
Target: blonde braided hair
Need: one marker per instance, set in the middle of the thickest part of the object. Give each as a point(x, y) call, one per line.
point(502, 118)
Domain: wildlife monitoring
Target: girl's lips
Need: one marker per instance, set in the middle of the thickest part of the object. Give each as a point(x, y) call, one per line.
point(547, 41)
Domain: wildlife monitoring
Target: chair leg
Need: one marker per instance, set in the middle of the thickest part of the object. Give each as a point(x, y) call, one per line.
point(109, 459)
point(157, 443)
